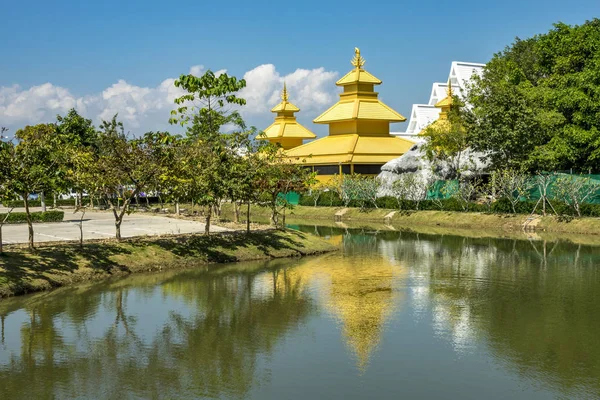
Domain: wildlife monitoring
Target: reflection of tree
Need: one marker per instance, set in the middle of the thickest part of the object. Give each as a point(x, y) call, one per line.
point(207, 346)
point(532, 302)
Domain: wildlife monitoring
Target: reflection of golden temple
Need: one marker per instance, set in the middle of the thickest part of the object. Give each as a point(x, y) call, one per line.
point(360, 295)
point(359, 138)
point(286, 131)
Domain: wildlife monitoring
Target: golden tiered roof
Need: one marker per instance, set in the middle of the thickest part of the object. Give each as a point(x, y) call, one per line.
point(359, 100)
point(359, 130)
point(286, 131)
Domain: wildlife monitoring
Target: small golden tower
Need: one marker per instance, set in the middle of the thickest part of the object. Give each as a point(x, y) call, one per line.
point(286, 131)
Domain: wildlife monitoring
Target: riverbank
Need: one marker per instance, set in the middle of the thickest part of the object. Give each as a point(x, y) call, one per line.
point(55, 265)
point(449, 219)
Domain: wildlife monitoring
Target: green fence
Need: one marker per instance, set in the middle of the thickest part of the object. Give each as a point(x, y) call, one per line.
point(292, 198)
point(535, 194)
point(445, 189)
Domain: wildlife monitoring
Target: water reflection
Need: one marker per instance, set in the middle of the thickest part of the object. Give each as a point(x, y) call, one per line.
point(528, 307)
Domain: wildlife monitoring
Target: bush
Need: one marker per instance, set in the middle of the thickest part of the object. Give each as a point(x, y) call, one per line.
point(21, 217)
point(38, 203)
point(387, 202)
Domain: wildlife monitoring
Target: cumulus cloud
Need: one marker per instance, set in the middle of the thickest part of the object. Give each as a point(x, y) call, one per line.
point(148, 108)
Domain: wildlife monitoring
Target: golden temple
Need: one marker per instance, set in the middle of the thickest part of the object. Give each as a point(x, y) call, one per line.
point(359, 139)
point(286, 131)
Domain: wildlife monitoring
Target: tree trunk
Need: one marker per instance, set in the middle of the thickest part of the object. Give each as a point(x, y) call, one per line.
point(177, 207)
point(81, 227)
point(2, 225)
point(29, 222)
point(54, 202)
point(236, 212)
point(283, 217)
point(43, 201)
point(207, 225)
point(248, 218)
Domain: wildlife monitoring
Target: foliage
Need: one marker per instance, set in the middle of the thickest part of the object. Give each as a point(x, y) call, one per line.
point(446, 141)
point(279, 177)
point(409, 187)
point(538, 102)
point(359, 190)
point(574, 191)
point(512, 185)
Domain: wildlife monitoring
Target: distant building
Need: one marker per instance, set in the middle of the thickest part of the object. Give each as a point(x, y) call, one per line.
point(424, 114)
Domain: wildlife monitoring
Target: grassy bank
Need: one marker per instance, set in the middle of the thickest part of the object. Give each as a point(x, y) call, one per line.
point(455, 220)
point(62, 264)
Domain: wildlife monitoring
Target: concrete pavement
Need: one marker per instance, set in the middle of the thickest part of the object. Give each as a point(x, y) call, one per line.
point(101, 225)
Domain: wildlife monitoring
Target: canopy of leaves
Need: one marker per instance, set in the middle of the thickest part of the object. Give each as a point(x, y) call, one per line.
point(538, 102)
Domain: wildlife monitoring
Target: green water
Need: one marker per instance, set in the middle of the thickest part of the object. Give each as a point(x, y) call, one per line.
point(393, 315)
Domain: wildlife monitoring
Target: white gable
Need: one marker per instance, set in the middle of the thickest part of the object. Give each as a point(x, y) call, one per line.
point(424, 114)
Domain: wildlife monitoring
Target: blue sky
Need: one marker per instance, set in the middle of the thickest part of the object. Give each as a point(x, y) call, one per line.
point(84, 47)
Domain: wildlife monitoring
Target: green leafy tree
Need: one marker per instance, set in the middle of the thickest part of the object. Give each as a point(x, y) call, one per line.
point(7, 169)
point(124, 168)
point(277, 178)
point(77, 141)
point(35, 167)
point(207, 109)
point(446, 141)
point(537, 104)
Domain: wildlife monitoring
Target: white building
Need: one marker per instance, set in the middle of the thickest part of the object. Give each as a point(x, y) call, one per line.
point(424, 114)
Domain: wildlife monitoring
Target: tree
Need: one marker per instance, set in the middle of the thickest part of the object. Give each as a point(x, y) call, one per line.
point(446, 141)
point(575, 190)
point(208, 106)
point(7, 152)
point(466, 192)
point(512, 185)
point(77, 135)
point(359, 189)
point(35, 167)
point(537, 104)
point(279, 177)
point(124, 167)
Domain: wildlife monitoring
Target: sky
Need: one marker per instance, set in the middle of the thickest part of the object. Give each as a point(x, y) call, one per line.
point(106, 57)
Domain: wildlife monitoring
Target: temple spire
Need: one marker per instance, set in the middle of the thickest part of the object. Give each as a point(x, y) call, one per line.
point(357, 61)
point(284, 93)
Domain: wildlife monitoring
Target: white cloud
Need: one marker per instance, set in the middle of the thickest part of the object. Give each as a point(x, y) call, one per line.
point(148, 108)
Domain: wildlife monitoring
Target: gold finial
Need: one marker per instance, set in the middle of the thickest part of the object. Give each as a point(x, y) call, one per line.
point(284, 93)
point(358, 61)
point(449, 89)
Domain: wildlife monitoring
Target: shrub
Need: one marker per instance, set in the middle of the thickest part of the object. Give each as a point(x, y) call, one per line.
point(38, 203)
point(21, 217)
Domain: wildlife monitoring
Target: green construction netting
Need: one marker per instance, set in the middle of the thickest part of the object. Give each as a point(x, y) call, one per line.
point(535, 194)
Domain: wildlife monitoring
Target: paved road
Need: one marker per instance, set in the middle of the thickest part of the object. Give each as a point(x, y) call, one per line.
point(98, 225)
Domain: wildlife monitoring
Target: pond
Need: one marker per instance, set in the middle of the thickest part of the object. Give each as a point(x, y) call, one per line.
point(393, 315)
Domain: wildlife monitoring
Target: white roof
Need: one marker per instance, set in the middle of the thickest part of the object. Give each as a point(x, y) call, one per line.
point(462, 72)
point(439, 92)
point(424, 114)
point(420, 116)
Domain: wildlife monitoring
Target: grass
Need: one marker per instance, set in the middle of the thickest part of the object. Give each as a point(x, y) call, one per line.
point(22, 271)
point(454, 220)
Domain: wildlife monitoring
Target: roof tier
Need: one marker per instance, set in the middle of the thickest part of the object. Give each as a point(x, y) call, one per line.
point(351, 148)
point(367, 109)
point(287, 129)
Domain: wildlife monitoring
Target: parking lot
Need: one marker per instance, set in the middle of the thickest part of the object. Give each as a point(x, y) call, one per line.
point(101, 225)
